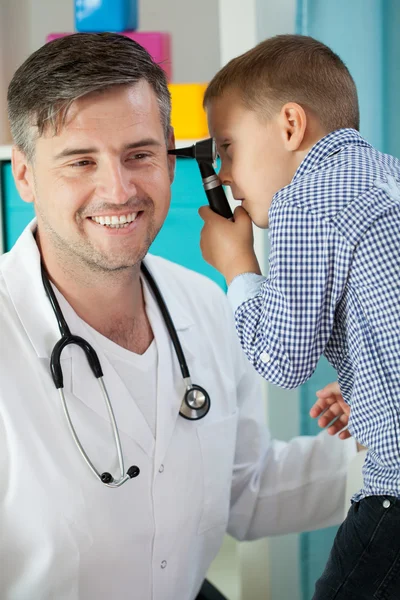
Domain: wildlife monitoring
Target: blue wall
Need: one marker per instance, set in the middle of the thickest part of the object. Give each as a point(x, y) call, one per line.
point(354, 30)
point(391, 76)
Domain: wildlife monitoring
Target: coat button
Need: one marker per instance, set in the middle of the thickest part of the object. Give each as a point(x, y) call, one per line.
point(161, 469)
point(163, 564)
point(386, 503)
point(265, 358)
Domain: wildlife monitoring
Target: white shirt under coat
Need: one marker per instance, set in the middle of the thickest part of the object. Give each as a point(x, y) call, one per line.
point(65, 535)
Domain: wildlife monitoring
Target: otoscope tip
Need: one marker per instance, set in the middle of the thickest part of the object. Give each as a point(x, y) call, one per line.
point(183, 152)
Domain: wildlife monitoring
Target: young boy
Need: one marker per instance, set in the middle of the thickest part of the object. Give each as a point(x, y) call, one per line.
point(285, 118)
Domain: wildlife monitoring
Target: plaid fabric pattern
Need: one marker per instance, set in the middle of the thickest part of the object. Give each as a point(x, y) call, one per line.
point(333, 288)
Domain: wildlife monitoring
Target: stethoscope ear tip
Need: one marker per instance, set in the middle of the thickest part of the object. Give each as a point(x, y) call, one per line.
point(107, 477)
point(133, 471)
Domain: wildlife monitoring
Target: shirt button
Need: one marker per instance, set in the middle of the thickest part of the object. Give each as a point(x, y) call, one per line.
point(161, 469)
point(386, 503)
point(163, 564)
point(265, 358)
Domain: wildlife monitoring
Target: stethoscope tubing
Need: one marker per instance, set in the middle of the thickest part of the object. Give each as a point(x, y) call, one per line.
point(191, 408)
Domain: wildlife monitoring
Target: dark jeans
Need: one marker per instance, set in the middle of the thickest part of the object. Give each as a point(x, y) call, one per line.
point(364, 563)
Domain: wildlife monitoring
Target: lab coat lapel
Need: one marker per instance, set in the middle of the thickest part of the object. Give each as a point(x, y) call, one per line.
point(169, 390)
point(21, 271)
point(170, 384)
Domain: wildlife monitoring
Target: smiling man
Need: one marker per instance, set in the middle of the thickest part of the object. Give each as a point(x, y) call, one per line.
point(90, 117)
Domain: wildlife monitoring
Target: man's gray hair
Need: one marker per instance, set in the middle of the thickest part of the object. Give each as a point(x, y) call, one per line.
point(60, 72)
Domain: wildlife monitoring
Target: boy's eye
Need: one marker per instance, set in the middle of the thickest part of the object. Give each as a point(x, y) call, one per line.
point(224, 147)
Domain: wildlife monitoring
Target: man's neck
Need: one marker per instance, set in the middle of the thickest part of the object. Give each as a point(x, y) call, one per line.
point(111, 303)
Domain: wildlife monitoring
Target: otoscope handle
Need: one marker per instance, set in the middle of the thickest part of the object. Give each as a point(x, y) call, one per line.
point(214, 191)
point(216, 196)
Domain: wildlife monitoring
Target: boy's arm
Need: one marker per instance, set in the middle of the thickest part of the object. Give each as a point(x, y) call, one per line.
point(279, 487)
point(285, 320)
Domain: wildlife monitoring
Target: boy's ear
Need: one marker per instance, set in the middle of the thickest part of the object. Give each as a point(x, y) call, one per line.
point(23, 175)
point(293, 124)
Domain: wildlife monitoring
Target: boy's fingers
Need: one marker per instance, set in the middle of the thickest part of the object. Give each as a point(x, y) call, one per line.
point(205, 212)
point(320, 405)
point(331, 388)
point(340, 423)
point(328, 416)
point(241, 218)
point(344, 435)
point(343, 405)
point(240, 213)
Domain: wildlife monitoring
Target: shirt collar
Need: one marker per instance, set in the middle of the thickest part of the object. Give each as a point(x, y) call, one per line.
point(328, 145)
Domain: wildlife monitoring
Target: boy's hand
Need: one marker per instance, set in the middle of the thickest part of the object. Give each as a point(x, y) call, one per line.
point(331, 405)
point(228, 245)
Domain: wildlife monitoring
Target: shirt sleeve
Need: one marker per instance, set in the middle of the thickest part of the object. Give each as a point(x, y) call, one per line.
point(285, 324)
point(282, 487)
point(279, 487)
point(244, 287)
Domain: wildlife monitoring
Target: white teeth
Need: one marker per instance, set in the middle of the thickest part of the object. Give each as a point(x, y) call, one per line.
point(116, 221)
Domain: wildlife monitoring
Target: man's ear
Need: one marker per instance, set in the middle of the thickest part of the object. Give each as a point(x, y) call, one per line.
point(23, 175)
point(293, 125)
point(171, 157)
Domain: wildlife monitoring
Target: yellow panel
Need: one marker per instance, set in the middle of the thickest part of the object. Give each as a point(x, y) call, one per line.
point(188, 116)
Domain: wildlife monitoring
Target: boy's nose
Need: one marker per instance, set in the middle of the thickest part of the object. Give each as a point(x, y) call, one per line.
point(224, 175)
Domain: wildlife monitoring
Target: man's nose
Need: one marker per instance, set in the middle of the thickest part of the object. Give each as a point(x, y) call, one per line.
point(115, 183)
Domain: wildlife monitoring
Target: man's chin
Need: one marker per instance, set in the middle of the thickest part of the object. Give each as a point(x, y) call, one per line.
point(116, 265)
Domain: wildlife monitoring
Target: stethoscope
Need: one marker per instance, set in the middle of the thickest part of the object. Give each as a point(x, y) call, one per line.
point(195, 404)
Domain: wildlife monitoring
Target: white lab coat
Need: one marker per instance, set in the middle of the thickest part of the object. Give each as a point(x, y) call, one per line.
point(64, 535)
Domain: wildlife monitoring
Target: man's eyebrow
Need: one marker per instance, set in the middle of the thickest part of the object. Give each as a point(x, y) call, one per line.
point(74, 152)
point(142, 143)
point(67, 152)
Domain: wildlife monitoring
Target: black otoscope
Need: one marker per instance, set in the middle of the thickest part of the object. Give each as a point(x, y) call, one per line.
point(205, 153)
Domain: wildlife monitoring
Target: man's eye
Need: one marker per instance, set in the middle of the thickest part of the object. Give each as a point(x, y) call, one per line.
point(139, 156)
point(81, 163)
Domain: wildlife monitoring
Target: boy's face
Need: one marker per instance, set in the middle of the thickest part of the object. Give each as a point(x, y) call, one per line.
point(254, 160)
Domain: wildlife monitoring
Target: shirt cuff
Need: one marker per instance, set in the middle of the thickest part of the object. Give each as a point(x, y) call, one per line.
point(243, 287)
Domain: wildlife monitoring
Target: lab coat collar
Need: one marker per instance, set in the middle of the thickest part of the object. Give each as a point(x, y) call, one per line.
point(22, 275)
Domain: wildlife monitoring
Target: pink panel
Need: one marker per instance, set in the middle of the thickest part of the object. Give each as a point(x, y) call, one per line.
point(55, 36)
point(157, 44)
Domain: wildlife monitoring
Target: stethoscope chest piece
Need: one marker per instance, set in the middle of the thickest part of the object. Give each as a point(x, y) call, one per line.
point(196, 402)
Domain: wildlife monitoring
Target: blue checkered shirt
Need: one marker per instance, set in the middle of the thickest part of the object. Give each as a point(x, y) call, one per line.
point(333, 288)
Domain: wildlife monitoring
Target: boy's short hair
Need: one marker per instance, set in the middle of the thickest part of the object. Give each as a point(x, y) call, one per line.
point(291, 68)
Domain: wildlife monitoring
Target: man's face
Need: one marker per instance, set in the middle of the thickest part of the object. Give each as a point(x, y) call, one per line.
point(254, 162)
point(101, 187)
